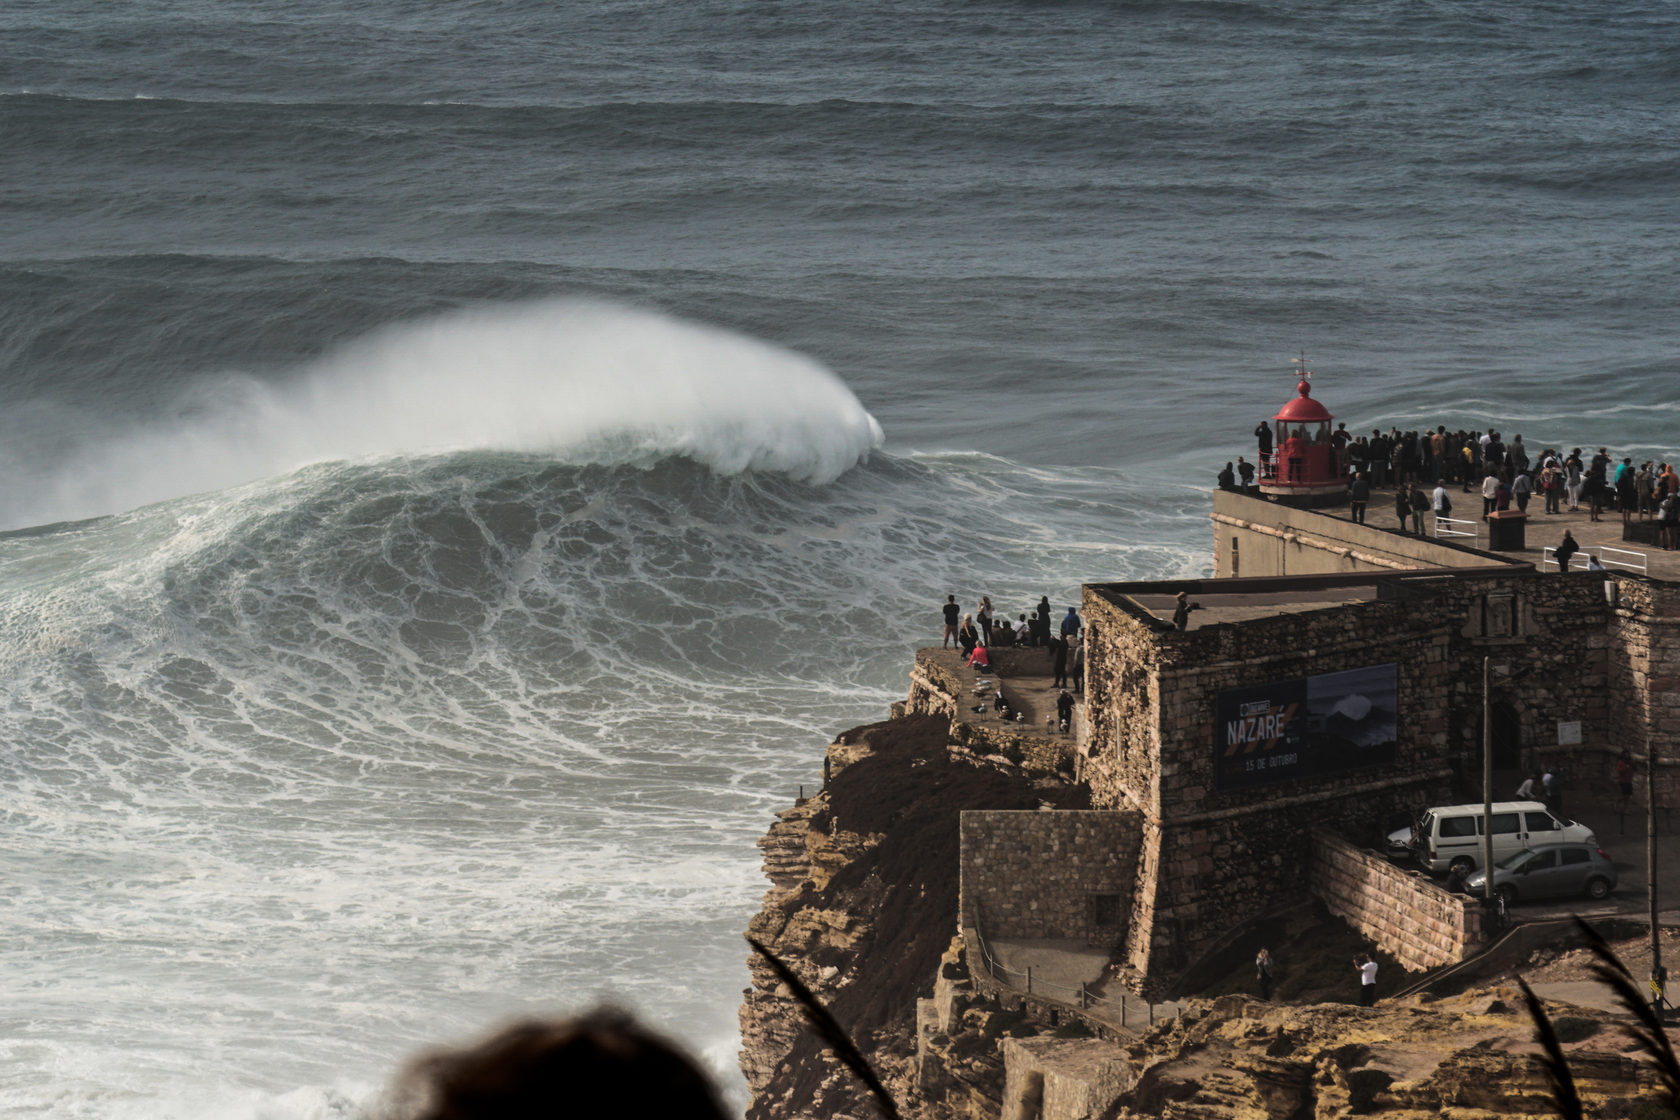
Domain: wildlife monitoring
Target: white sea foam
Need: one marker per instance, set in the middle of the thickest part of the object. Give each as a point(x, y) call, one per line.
point(376, 756)
point(582, 381)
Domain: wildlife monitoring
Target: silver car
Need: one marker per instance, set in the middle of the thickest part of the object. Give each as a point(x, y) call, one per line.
point(1550, 871)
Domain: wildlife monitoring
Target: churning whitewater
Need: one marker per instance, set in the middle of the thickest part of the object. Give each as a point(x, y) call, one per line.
point(310, 771)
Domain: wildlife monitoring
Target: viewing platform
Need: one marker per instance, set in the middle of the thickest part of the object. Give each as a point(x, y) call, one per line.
point(940, 683)
point(1604, 538)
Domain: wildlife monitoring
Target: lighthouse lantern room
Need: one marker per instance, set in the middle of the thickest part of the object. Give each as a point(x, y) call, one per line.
point(1304, 465)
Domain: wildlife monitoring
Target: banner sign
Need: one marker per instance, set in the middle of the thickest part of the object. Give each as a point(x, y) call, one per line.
point(1308, 727)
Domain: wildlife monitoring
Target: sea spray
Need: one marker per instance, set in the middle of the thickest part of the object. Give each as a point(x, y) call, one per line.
point(581, 381)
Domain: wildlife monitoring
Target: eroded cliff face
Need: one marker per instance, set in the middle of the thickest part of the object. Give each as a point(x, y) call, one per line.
point(862, 905)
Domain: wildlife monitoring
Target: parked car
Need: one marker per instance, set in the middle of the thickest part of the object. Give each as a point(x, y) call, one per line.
point(1550, 871)
point(1449, 837)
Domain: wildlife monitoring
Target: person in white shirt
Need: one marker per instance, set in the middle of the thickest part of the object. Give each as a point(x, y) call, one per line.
point(1526, 791)
point(1367, 980)
point(1490, 491)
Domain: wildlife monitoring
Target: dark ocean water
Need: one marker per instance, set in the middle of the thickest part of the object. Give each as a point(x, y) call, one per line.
point(460, 462)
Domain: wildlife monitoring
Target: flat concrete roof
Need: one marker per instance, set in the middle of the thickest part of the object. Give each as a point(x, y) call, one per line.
point(1242, 606)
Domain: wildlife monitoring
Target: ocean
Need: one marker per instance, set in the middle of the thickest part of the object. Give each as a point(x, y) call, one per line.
point(460, 463)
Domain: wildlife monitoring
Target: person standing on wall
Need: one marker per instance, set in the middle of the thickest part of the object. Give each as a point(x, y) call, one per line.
point(1367, 980)
point(1565, 549)
point(953, 616)
point(1058, 662)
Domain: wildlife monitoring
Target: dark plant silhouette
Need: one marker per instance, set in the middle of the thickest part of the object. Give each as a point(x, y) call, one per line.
point(1609, 970)
point(830, 1031)
point(1568, 1101)
point(1649, 1033)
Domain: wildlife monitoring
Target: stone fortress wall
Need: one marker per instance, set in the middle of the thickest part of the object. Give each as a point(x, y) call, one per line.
point(1404, 913)
point(1597, 652)
point(1028, 874)
point(1560, 652)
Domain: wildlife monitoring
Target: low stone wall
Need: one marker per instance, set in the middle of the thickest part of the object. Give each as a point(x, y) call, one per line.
point(1066, 874)
point(1404, 913)
point(1035, 754)
point(1061, 1079)
point(938, 689)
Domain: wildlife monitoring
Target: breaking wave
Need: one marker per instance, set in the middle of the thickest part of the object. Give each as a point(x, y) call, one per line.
point(586, 383)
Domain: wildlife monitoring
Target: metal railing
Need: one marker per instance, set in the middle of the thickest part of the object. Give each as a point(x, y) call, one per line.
point(1127, 1013)
point(1456, 527)
point(1635, 562)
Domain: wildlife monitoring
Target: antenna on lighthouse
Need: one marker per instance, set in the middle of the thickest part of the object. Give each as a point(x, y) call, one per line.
point(1300, 365)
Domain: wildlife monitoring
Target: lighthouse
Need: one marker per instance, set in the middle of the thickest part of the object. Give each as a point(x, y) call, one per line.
point(1305, 466)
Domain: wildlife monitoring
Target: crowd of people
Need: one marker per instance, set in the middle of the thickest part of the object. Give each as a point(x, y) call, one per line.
point(984, 629)
point(1504, 473)
point(976, 634)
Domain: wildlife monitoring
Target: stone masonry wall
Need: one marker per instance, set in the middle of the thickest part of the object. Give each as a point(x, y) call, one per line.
point(1214, 858)
point(1404, 913)
point(1026, 874)
point(1643, 683)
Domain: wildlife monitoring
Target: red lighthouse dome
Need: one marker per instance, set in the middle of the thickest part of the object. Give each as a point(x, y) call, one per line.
point(1303, 466)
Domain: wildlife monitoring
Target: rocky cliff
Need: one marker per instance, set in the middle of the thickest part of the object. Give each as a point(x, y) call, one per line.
point(863, 906)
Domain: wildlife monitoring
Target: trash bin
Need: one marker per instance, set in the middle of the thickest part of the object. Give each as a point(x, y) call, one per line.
point(1507, 530)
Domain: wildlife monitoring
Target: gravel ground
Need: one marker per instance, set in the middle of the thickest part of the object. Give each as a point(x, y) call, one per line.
point(1554, 966)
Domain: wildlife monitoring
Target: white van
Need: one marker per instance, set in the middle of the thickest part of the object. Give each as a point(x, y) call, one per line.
point(1450, 836)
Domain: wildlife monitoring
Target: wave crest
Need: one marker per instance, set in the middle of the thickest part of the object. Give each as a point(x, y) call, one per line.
point(586, 382)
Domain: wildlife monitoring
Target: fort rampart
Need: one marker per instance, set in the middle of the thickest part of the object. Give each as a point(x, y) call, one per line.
point(1213, 856)
point(1403, 912)
point(1048, 874)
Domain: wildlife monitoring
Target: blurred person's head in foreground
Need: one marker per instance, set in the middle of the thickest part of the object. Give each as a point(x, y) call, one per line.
point(601, 1064)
